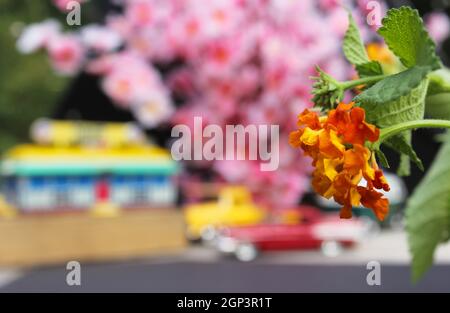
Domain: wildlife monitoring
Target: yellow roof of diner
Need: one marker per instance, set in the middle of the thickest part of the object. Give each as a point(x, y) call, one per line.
point(30, 159)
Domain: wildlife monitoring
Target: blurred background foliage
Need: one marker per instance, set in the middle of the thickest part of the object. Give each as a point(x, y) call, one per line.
point(28, 87)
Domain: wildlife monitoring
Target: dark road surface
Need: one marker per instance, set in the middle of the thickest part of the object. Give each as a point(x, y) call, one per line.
point(227, 276)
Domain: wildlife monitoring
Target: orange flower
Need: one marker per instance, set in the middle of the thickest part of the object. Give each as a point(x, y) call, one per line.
point(310, 119)
point(356, 161)
point(347, 193)
point(380, 181)
point(350, 122)
point(358, 131)
point(336, 143)
point(330, 145)
point(294, 138)
point(380, 53)
point(374, 200)
point(322, 184)
point(339, 117)
point(305, 139)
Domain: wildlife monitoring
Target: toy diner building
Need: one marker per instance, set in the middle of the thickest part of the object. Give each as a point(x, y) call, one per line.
point(75, 165)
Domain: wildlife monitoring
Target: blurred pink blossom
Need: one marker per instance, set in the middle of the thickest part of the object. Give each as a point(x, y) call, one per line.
point(100, 39)
point(37, 36)
point(372, 11)
point(66, 54)
point(438, 25)
point(330, 4)
point(227, 61)
point(153, 108)
point(128, 78)
point(63, 4)
point(339, 21)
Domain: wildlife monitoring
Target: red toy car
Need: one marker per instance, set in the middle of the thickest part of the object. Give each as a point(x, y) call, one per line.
point(313, 230)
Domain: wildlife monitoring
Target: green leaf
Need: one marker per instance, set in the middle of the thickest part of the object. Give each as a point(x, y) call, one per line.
point(356, 53)
point(393, 87)
point(428, 213)
point(371, 68)
point(406, 108)
point(382, 158)
point(438, 106)
point(353, 47)
point(404, 167)
point(439, 82)
point(400, 98)
point(402, 144)
point(438, 96)
point(404, 32)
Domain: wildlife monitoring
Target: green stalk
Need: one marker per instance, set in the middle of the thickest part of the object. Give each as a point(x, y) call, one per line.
point(396, 129)
point(361, 81)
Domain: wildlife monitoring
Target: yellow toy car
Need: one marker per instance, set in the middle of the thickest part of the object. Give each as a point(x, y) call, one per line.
point(233, 208)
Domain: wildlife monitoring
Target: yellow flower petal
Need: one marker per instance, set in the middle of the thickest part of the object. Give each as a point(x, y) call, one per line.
point(330, 167)
point(369, 172)
point(357, 178)
point(355, 197)
point(310, 137)
point(329, 193)
point(336, 141)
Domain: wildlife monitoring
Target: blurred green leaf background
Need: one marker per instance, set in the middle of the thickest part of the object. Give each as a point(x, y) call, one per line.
point(28, 87)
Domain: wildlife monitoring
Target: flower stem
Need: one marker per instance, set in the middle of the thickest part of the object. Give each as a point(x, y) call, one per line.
point(396, 129)
point(362, 81)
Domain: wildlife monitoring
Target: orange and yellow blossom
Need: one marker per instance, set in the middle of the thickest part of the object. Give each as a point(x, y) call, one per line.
point(336, 143)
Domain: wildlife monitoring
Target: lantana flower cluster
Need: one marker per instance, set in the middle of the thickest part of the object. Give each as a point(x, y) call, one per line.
point(228, 61)
point(337, 144)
